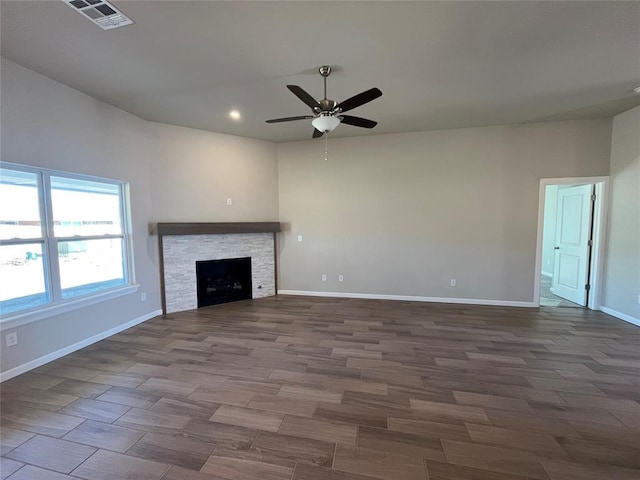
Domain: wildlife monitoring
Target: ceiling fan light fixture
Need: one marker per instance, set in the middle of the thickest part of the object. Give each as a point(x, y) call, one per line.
point(325, 123)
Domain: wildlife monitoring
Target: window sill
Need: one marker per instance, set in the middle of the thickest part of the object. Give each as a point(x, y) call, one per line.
point(19, 319)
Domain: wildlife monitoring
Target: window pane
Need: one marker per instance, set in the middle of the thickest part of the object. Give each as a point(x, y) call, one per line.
point(85, 208)
point(19, 207)
point(88, 266)
point(22, 284)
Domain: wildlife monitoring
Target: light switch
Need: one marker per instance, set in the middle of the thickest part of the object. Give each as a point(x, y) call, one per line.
point(229, 202)
point(299, 238)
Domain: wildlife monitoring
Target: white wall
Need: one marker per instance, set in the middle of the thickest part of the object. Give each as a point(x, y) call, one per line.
point(622, 274)
point(402, 214)
point(549, 229)
point(47, 124)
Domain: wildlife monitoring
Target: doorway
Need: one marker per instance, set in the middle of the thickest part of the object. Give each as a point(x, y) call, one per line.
point(571, 222)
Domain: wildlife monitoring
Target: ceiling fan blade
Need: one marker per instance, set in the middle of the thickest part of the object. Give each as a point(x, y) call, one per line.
point(317, 133)
point(289, 119)
point(303, 95)
point(357, 121)
point(360, 99)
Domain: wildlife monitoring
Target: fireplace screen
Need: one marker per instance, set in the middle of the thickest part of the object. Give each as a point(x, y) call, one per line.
point(223, 281)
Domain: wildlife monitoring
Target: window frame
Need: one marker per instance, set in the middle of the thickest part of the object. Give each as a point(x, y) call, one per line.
point(56, 304)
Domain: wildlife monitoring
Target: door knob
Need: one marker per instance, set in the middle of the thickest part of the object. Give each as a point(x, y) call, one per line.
point(556, 248)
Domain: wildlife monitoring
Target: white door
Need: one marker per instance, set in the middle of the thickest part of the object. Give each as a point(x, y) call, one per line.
point(571, 261)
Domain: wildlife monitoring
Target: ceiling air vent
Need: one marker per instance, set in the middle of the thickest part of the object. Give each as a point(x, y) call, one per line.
point(100, 12)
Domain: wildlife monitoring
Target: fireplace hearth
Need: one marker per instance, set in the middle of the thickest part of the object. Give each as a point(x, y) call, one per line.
point(223, 281)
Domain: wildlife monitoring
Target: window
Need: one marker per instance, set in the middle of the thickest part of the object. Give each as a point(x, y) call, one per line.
point(62, 236)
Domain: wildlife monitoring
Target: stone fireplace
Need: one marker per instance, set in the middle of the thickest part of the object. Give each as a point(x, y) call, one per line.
point(183, 244)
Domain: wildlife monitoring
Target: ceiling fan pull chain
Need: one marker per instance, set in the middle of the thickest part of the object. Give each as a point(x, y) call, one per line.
point(326, 146)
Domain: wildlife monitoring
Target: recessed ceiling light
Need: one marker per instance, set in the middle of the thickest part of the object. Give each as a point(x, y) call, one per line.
point(235, 114)
point(636, 90)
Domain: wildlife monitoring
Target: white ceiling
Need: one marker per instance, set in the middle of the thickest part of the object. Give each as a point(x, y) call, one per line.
point(439, 64)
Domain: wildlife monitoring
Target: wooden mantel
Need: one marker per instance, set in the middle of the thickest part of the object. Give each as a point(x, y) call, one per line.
point(163, 229)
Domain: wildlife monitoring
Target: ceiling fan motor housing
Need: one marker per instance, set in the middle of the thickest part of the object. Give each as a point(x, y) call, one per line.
point(327, 105)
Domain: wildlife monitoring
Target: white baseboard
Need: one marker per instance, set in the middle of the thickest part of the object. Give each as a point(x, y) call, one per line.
point(621, 316)
point(409, 298)
point(25, 367)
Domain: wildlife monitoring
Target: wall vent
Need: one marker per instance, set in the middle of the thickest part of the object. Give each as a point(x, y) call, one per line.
point(100, 12)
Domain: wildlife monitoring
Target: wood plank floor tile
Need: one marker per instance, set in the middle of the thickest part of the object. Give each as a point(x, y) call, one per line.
point(279, 404)
point(446, 410)
point(496, 459)
point(352, 414)
point(400, 443)
point(248, 417)
point(119, 380)
point(104, 435)
point(383, 465)
point(229, 437)
point(179, 473)
point(242, 469)
point(571, 470)
point(42, 399)
point(542, 444)
point(309, 394)
point(184, 406)
point(40, 421)
point(80, 388)
point(8, 466)
point(29, 472)
point(105, 465)
point(602, 452)
point(492, 401)
point(75, 373)
point(129, 397)
point(163, 386)
point(309, 472)
point(51, 453)
point(429, 429)
point(319, 430)
point(449, 471)
point(11, 438)
point(96, 410)
point(152, 421)
point(32, 380)
point(293, 449)
point(180, 451)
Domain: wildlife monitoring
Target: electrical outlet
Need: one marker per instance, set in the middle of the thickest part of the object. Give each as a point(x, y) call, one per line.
point(324, 277)
point(229, 202)
point(143, 296)
point(341, 278)
point(11, 339)
point(453, 282)
point(299, 238)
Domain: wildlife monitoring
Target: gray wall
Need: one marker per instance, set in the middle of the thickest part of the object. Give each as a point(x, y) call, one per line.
point(47, 124)
point(622, 274)
point(402, 214)
point(194, 172)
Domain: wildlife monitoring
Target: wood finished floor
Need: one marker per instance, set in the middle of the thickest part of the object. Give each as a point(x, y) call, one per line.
point(293, 388)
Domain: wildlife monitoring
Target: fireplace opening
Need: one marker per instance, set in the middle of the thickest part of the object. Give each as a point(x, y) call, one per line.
point(223, 281)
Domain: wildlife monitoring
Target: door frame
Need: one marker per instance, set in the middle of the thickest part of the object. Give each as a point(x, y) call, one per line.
point(600, 213)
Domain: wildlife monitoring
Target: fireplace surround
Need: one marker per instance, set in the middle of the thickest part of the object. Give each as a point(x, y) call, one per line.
point(181, 245)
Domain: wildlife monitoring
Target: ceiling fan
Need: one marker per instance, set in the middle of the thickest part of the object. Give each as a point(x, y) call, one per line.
point(328, 114)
